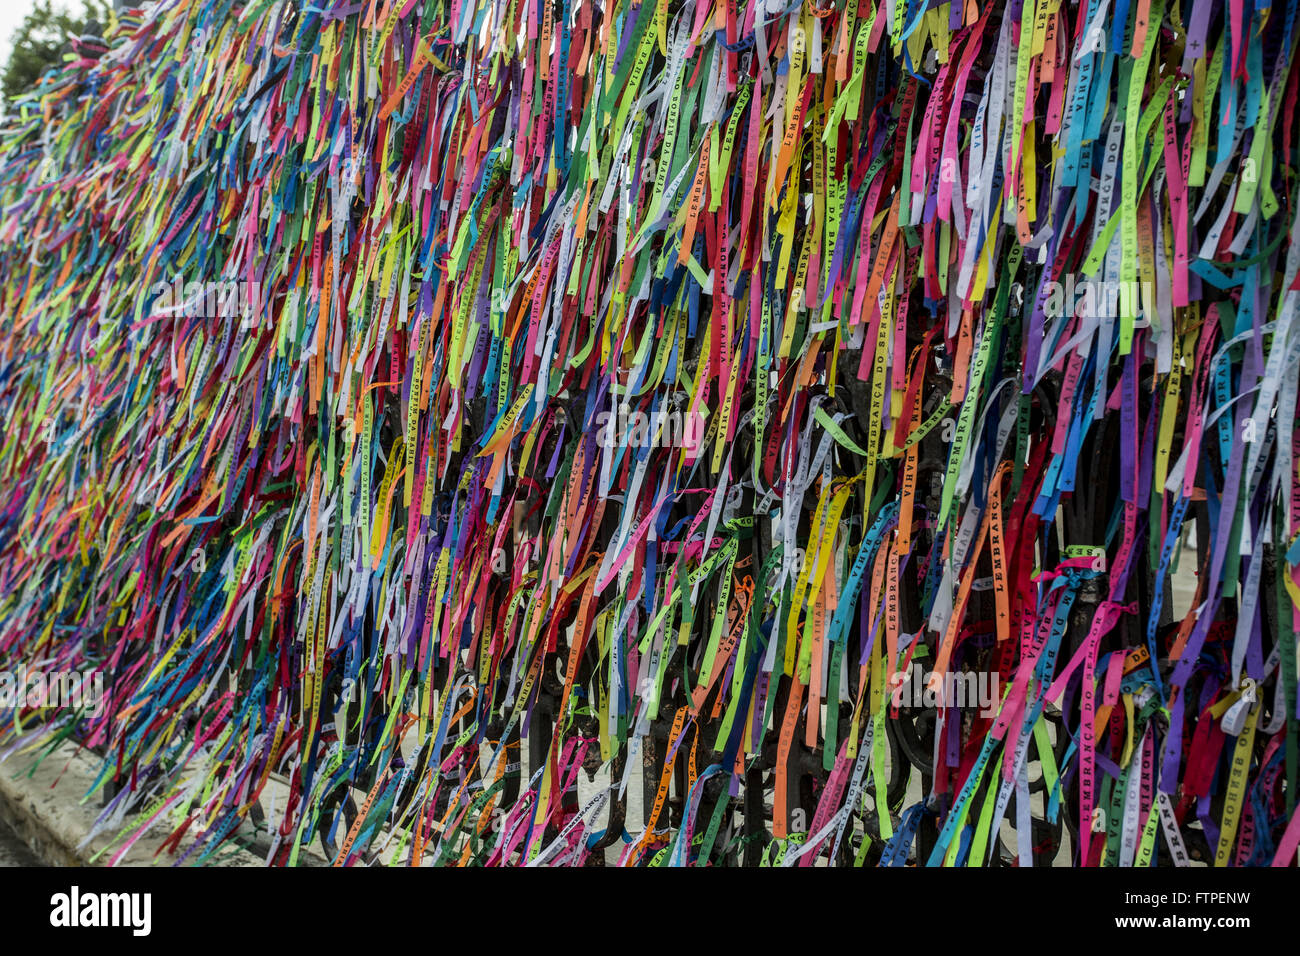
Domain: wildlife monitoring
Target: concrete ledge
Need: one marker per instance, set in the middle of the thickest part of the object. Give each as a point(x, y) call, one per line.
point(45, 809)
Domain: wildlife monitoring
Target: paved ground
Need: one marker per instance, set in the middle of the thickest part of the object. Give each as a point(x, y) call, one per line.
point(13, 851)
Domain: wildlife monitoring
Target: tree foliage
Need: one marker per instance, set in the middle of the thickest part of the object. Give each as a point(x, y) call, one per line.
point(40, 41)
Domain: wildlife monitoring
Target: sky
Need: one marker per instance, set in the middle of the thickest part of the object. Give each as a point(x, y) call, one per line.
point(11, 16)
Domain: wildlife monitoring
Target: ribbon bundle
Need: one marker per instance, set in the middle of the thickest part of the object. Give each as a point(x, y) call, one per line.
point(399, 392)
